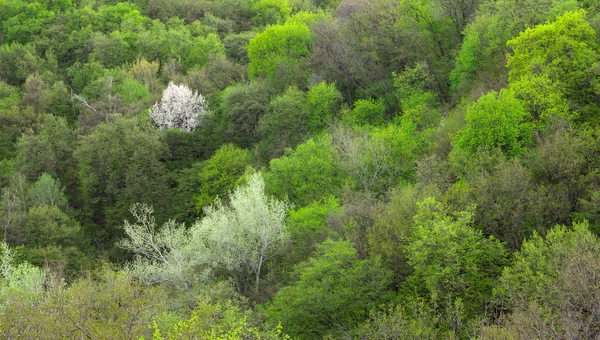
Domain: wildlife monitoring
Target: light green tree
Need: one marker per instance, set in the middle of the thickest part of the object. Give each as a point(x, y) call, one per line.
point(47, 191)
point(566, 52)
point(324, 101)
point(496, 120)
point(308, 173)
point(220, 174)
point(454, 264)
point(280, 53)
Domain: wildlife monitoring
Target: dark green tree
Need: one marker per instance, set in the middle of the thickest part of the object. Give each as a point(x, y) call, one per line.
point(119, 163)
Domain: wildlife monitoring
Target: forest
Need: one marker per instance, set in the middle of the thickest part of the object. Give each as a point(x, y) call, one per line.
point(299, 169)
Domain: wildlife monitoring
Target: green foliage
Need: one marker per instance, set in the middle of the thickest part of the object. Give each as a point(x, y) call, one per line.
point(366, 112)
point(202, 49)
point(565, 51)
point(132, 91)
point(112, 50)
point(537, 267)
point(455, 266)
point(415, 321)
point(486, 105)
point(285, 125)
point(405, 145)
point(309, 18)
point(483, 40)
point(417, 101)
point(279, 53)
point(17, 62)
point(220, 174)
point(324, 101)
point(543, 99)
point(118, 165)
point(334, 290)
point(308, 227)
point(242, 106)
point(392, 230)
point(380, 159)
point(8, 95)
point(550, 285)
point(54, 239)
point(114, 306)
point(31, 20)
point(271, 11)
point(236, 46)
point(48, 151)
point(306, 174)
point(496, 120)
point(47, 191)
point(83, 75)
point(215, 321)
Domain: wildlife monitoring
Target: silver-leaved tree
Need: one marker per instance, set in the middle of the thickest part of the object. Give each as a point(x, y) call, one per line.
point(236, 239)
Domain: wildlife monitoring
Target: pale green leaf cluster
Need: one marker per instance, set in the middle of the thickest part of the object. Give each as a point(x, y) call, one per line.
point(160, 255)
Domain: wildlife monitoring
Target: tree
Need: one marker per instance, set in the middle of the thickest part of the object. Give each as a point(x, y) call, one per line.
point(566, 52)
point(333, 291)
point(366, 112)
point(306, 174)
point(454, 265)
point(180, 107)
point(324, 101)
point(392, 228)
point(49, 237)
point(202, 49)
point(280, 53)
point(14, 206)
point(285, 125)
point(270, 12)
point(244, 235)
point(221, 173)
point(48, 151)
point(496, 120)
point(47, 191)
point(413, 321)
point(241, 106)
point(119, 163)
point(417, 100)
point(112, 306)
point(160, 256)
point(368, 158)
point(551, 287)
point(237, 239)
point(308, 227)
point(146, 72)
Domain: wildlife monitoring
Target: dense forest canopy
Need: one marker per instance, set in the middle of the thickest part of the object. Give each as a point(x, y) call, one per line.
point(299, 169)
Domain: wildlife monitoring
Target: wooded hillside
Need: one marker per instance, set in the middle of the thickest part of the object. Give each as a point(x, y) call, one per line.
point(299, 169)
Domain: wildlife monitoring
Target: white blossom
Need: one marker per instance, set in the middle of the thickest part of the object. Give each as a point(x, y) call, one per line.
point(180, 108)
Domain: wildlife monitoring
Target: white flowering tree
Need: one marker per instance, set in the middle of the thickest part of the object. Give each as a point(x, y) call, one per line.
point(180, 108)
